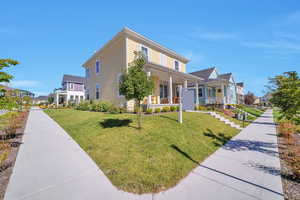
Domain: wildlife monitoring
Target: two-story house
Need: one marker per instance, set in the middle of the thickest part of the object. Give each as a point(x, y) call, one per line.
point(72, 90)
point(166, 67)
point(216, 88)
point(240, 93)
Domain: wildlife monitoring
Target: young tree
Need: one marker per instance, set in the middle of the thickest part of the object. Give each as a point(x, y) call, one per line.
point(249, 98)
point(135, 84)
point(285, 90)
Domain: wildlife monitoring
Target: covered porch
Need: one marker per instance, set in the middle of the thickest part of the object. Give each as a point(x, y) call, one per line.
point(167, 82)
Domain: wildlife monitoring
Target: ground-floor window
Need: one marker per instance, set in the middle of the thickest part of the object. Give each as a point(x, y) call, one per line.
point(163, 91)
point(97, 91)
point(87, 94)
point(200, 92)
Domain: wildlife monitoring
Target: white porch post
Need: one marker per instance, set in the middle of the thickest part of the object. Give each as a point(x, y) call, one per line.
point(223, 95)
point(149, 97)
point(170, 90)
point(57, 98)
point(185, 84)
point(197, 93)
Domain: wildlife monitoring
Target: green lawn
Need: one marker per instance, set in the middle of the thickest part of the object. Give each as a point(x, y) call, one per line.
point(253, 111)
point(148, 160)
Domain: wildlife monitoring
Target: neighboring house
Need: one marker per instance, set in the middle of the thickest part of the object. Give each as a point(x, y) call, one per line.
point(166, 67)
point(41, 100)
point(216, 88)
point(5, 90)
point(72, 90)
point(265, 100)
point(240, 93)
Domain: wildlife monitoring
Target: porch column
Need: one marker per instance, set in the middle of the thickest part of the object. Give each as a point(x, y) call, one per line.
point(185, 84)
point(197, 93)
point(149, 97)
point(56, 98)
point(223, 95)
point(170, 90)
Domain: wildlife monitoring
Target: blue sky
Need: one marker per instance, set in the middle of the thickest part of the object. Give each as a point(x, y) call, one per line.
point(253, 39)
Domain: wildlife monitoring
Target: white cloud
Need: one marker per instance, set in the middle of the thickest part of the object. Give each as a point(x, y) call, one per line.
point(273, 45)
point(194, 57)
point(24, 83)
point(204, 35)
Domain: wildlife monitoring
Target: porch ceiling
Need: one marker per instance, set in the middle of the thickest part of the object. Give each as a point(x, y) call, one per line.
point(177, 76)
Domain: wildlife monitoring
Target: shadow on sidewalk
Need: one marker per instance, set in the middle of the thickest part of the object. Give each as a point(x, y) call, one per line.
point(222, 173)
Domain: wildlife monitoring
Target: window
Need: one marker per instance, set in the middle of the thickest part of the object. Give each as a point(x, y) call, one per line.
point(97, 91)
point(119, 79)
point(71, 86)
point(87, 73)
point(176, 65)
point(200, 92)
point(71, 97)
point(225, 91)
point(145, 52)
point(97, 67)
point(163, 91)
point(87, 94)
point(163, 59)
point(81, 98)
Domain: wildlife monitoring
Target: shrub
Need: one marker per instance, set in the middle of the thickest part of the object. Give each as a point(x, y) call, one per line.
point(177, 108)
point(157, 110)
point(149, 111)
point(173, 108)
point(166, 109)
point(201, 108)
point(84, 105)
point(3, 157)
point(114, 110)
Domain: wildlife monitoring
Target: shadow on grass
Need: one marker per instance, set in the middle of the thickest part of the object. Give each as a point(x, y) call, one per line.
point(111, 123)
point(221, 138)
point(167, 117)
point(222, 173)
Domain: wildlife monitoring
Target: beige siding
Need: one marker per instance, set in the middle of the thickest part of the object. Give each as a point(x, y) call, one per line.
point(154, 55)
point(113, 62)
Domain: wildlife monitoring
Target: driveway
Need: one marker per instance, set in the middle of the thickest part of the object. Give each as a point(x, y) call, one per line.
point(50, 165)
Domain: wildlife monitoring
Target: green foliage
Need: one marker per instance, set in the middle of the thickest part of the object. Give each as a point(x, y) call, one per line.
point(84, 105)
point(157, 110)
point(285, 90)
point(201, 108)
point(149, 111)
point(173, 108)
point(50, 100)
point(6, 63)
point(135, 84)
point(166, 109)
point(8, 103)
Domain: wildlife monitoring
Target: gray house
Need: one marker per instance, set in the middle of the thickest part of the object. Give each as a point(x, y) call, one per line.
point(216, 88)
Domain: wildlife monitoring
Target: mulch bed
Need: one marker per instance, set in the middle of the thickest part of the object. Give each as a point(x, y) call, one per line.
point(291, 184)
point(7, 168)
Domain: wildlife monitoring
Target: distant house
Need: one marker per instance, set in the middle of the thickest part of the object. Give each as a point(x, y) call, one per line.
point(216, 88)
point(9, 91)
point(265, 100)
point(240, 93)
point(72, 90)
point(40, 99)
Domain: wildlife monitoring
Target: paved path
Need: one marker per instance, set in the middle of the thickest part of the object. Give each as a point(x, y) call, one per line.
point(50, 165)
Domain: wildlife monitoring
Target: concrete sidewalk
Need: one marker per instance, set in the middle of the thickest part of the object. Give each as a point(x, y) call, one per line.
point(50, 165)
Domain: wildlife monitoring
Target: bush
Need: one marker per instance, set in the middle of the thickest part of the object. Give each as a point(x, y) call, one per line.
point(84, 105)
point(177, 108)
point(157, 110)
point(166, 109)
point(173, 108)
point(149, 111)
point(114, 110)
point(201, 108)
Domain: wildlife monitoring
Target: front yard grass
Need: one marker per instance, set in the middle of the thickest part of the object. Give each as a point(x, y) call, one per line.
point(253, 111)
point(236, 121)
point(149, 160)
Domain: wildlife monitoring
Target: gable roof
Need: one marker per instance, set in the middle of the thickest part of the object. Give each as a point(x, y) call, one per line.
point(205, 73)
point(226, 76)
point(73, 79)
point(128, 32)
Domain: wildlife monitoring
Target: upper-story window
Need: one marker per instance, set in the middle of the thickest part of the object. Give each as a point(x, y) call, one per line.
point(163, 59)
point(145, 52)
point(71, 86)
point(97, 91)
point(176, 65)
point(87, 73)
point(97, 67)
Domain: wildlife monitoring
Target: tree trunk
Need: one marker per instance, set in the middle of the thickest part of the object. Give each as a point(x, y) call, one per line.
point(139, 114)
